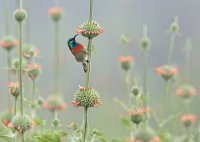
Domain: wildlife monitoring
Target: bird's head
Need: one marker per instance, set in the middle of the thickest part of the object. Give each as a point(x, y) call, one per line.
point(72, 42)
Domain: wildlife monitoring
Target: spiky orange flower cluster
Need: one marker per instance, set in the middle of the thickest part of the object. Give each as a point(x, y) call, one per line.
point(186, 91)
point(9, 42)
point(56, 10)
point(33, 70)
point(132, 139)
point(167, 71)
point(188, 119)
point(139, 111)
point(55, 103)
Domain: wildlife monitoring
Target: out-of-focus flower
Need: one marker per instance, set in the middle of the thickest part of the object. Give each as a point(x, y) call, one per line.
point(56, 13)
point(55, 103)
point(34, 70)
point(188, 119)
point(7, 117)
point(9, 42)
point(14, 88)
point(186, 91)
point(124, 39)
point(131, 139)
point(86, 97)
point(21, 123)
point(30, 51)
point(126, 62)
point(167, 71)
point(137, 115)
point(145, 134)
point(90, 29)
point(156, 139)
point(15, 66)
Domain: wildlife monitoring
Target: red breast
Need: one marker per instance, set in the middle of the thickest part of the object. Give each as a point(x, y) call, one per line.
point(78, 48)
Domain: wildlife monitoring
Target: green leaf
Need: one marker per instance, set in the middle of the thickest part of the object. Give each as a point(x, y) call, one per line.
point(126, 122)
point(6, 134)
point(51, 136)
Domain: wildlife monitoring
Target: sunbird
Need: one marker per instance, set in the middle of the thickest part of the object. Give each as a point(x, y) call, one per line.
point(79, 51)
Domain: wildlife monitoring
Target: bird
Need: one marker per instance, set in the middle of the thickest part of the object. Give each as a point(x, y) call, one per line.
point(79, 51)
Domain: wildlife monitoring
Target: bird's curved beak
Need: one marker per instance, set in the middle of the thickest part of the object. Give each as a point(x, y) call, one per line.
point(75, 36)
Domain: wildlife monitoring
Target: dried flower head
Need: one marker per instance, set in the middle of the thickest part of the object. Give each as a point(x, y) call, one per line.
point(56, 13)
point(186, 91)
point(14, 88)
point(188, 119)
point(137, 115)
point(167, 71)
point(34, 70)
point(55, 103)
point(86, 97)
point(21, 123)
point(7, 117)
point(30, 51)
point(9, 42)
point(126, 62)
point(90, 29)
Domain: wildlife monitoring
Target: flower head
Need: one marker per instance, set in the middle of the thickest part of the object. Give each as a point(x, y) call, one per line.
point(90, 29)
point(55, 103)
point(14, 88)
point(145, 134)
point(186, 91)
point(56, 13)
point(86, 97)
point(9, 42)
point(137, 116)
point(188, 119)
point(126, 62)
point(21, 123)
point(20, 15)
point(167, 71)
point(15, 66)
point(30, 51)
point(7, 117)
point(34, 71)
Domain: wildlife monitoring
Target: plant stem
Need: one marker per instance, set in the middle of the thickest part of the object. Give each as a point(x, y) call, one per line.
point(57, 57)
point(89, 49)
point(127, 84)
point(33, 90)
point(28, 32)
point(7, 22)
point(145, 76)
point(15, 109)
point(171, 48)
point(166, 93)
point(91, 9)
point(85, 124)
point(9, 77)
point(20, 66)
point(187, 65)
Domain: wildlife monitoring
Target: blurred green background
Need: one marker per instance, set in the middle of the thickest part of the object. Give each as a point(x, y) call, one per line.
point(116, 17)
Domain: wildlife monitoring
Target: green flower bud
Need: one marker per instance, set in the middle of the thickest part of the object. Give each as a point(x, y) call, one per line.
point(20, 15)
point(174, 28)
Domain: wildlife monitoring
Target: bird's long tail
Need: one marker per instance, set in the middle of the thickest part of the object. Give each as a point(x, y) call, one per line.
point(84, 66)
